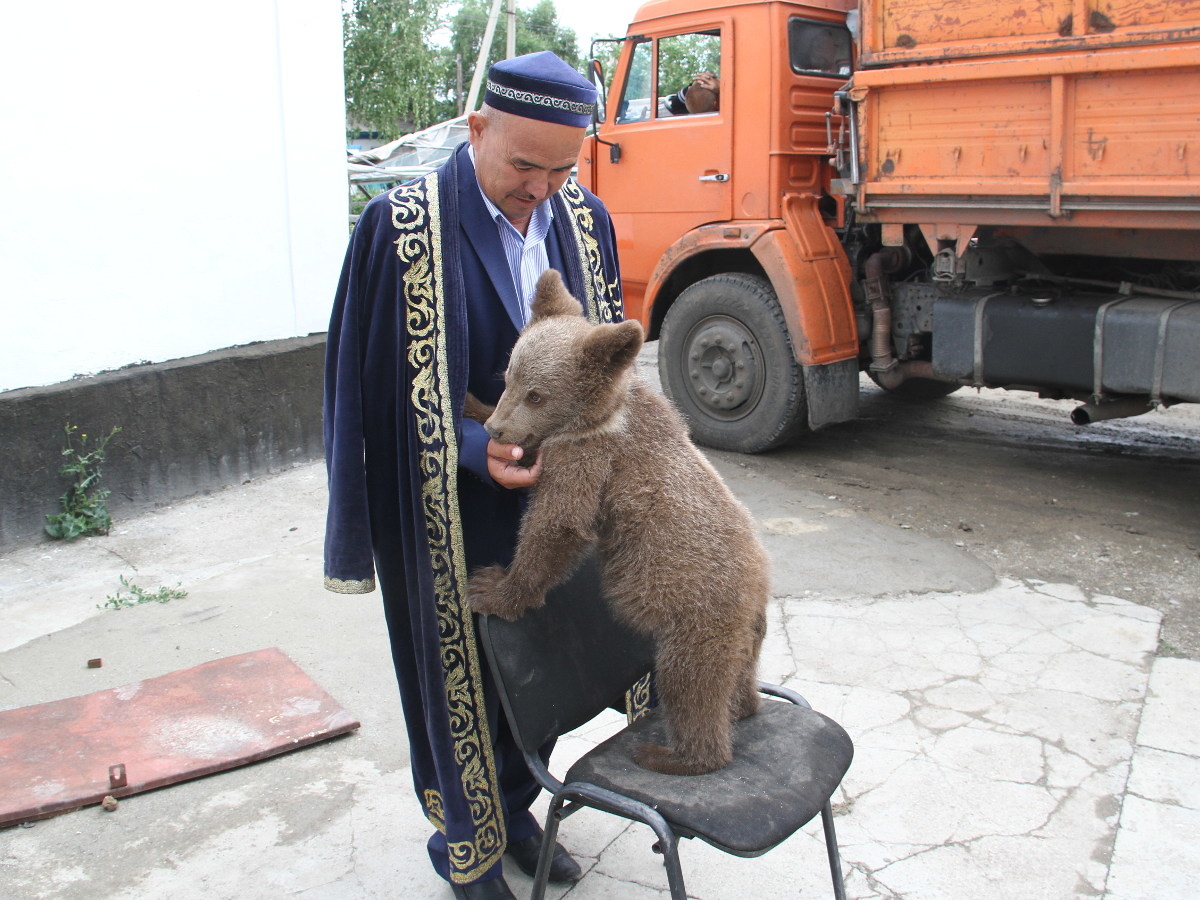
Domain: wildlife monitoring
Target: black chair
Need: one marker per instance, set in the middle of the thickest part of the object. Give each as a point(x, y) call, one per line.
point(560, 666)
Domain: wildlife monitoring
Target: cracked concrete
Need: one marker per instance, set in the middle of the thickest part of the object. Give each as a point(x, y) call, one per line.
point(1001, 719)
point(1014, 739)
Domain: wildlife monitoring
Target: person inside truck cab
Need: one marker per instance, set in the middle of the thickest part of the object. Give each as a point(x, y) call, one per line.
point(701, 95)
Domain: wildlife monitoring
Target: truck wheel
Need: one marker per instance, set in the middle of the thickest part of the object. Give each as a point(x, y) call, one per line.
point(919, 390)
point(726, 361)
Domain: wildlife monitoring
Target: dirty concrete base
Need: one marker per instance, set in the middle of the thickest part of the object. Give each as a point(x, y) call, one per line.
point(1012, 739)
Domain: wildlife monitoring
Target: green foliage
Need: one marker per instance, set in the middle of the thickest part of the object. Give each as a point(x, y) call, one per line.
point(537, 29)
point(138, 595)
point(85, 510)
point(399, 78)
point(391, 67)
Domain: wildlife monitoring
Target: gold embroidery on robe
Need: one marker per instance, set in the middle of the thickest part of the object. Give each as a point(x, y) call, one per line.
point(341, 586)
point(419, 245)
point(433, 810)
point(601, 295)
point(637, 699)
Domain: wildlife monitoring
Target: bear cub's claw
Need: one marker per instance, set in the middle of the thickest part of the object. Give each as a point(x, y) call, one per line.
point(489, 594)
point(485, 593)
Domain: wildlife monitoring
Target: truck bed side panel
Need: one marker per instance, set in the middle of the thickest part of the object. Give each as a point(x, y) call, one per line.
point(1103, 139)
point(896, 31)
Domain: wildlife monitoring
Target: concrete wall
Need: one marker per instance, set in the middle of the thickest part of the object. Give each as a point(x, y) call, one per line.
point(189, 426)
point(194, 195)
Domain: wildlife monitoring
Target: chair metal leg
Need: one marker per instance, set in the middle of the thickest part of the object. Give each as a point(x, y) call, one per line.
point(670, 851)
point(602, 799)
point(831, 847)
point(546, 854)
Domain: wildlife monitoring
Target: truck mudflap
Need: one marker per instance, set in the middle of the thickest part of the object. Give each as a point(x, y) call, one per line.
point(1081, 344)
point(832, 393)
point(808, 268)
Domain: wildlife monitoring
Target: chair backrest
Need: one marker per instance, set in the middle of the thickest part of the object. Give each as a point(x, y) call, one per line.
point(563, 664)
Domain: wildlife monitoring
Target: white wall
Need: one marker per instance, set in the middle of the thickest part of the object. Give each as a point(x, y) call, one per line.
point(172, 179)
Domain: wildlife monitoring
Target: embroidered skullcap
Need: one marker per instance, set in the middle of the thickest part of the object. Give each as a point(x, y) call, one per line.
point(541, 86)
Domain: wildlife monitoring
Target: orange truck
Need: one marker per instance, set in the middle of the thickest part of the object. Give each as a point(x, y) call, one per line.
point(1000, 193)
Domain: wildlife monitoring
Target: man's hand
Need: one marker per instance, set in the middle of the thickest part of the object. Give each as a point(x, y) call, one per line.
point(506, 466)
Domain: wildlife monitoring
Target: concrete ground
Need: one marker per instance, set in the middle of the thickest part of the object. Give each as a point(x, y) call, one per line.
point(1013, 740)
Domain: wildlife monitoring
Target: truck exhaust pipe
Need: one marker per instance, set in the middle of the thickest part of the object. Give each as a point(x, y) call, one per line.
point(900, 372)
point(888, 371)
point(879, 293)
point(1109, 409)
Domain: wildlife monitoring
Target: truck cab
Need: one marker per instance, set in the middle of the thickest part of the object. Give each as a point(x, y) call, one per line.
point(741, 194)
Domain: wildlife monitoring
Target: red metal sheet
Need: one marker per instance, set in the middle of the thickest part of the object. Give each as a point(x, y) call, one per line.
point(59, 756)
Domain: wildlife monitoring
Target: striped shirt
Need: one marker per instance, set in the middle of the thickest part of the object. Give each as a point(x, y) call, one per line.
point(526, 253)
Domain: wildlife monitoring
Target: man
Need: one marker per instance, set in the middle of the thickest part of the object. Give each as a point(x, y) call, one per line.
point(433, 293)
point(700, 95)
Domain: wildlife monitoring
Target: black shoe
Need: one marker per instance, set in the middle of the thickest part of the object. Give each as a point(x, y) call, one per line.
point(525, 853)
point(492, 889)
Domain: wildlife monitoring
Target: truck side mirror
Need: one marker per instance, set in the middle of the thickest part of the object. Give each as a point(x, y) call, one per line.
point(597, 70)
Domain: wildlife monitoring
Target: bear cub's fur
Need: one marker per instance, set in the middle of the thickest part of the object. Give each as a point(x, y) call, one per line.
point(680, 555)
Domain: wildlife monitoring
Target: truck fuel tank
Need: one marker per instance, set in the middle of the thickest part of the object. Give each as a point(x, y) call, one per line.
point(1077, 342)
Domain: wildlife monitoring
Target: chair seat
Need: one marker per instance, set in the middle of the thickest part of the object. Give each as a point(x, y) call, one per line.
point(787, 761)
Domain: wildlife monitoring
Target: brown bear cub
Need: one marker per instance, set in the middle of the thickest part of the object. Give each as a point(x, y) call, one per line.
point(680, 555)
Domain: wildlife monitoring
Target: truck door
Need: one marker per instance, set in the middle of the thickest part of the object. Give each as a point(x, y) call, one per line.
point(675, 136)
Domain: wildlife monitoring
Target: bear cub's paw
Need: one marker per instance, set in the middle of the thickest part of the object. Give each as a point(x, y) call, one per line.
point(488, 594)
point(661, 759)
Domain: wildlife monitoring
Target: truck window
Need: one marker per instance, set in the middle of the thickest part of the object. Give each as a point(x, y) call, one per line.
point(635, 95)
point(689, 73)
point(819, 48)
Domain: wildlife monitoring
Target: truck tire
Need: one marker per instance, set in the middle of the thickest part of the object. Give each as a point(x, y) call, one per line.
point(726, 360)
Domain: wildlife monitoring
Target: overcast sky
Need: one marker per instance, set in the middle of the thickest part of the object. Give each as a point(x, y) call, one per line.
point(594, 18)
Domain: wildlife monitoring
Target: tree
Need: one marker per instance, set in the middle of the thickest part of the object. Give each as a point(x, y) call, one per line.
point(398, 79)
point(391, 66)
point(537, 29)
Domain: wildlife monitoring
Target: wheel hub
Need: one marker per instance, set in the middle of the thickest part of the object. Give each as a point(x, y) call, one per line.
point(722, 365)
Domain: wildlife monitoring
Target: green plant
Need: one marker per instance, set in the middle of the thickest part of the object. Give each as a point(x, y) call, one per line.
point(138, 595)
point(84, 508)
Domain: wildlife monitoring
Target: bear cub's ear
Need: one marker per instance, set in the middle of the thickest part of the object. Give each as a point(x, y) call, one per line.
point(612, 348)
point(551, 298)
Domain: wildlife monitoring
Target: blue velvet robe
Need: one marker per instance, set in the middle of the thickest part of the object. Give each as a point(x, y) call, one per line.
point(425, 310)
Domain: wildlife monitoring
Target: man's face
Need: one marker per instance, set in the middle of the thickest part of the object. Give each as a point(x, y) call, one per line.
point(520, 162)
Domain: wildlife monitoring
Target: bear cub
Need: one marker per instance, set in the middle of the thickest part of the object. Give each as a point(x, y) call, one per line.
point(680, 556)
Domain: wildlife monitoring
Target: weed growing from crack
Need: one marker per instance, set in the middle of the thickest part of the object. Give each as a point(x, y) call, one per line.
point(138, 595)
point(84, 508)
